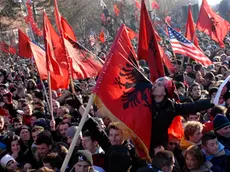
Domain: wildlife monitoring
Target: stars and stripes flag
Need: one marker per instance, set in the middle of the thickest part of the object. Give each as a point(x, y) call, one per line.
point(181, 45)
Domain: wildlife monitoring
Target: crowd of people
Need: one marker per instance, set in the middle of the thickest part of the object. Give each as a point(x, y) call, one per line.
point(30, 140)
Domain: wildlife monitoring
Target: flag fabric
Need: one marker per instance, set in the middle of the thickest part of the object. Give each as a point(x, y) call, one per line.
point(155, 5)
point(131, 33)
point(183, 46)
point(190, 32)
point(84, 63)
point(166, 60)
point(212, 24)
point(148, 48)
point(40, 59)
point(102, 36)
point(137, 4)
point(63, 26)
point(102, 4)
point(50, 55)
point(23, 45)
point(128, 93)
point(7, 48)
point(116, 10)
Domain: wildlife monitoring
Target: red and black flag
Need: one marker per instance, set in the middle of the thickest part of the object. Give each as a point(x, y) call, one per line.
point(128, 92)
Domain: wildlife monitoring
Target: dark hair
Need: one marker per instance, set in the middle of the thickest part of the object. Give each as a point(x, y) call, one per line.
point(17, 119)
point(207, 136)
point(189, 64)
point(15, 138)
point(209, 76)
point(195, 84)
point(217, 110)
point(87, 133)
point(44, 138)
point(219, 71)
point(54, 160)
point(179, 85)
point(38, 114)
point(198, 67)
point(162, 158)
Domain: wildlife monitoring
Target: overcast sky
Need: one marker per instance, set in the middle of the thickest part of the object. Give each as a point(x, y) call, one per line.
point(212, 2)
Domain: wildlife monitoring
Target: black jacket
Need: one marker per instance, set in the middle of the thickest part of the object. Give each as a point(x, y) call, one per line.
point(163, 114)
point(224, 141)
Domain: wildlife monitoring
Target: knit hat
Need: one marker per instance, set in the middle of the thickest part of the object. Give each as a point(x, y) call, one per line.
point(220, 121)
point(71, 131)
point(83, 155)
point(213, 90)
point(5, 159)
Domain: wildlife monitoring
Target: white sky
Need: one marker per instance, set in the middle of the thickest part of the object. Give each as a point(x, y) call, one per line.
point(212, 2)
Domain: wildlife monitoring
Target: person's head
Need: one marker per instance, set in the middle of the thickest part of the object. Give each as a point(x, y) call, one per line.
point(195, 91)
point(164, 161)
point(67, 118)
point(199, 67)
point(222, 70)
point(27, 109)
point(31, 85)
point(70, 134)
point(210, 143)
point(115, 133)
point(36, 130)
point(100, 122)
point(38, 96)
point(62, 110)
point(56, 105)
point(2, 123)
point(217, 110)
point(189, 68)
point(209, 77)
point(221, 125)
point(180, 88)
point(194, 157)
point(53, 161)
point(44, 144)
point(62, 128)
point(15, 144)
point(163, 87)
point(89, 142)
point(17, 122)
point(25, 133)
point(173, 142)
point(193, 117)
point(193, 131)
point(8, 162)
point(83, 161)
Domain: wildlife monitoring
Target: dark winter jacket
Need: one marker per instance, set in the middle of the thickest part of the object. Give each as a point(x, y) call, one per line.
point(224, 141)
point(163, 114)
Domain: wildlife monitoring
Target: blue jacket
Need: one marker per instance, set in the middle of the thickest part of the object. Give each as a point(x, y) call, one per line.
point(220, 160)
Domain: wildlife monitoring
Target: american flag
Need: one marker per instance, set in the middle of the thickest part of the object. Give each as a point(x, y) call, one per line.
point(181, 45)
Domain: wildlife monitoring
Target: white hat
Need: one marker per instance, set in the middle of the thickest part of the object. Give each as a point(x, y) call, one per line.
point(5, 159)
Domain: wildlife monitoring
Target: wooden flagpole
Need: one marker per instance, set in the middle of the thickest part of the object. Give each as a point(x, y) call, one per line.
point(75, 138)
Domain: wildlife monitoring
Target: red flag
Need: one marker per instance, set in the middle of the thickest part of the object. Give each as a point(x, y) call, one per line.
point(23, 45)
point(155, 5)
point(128, 92)
point(102, 36)
point(85, 64)
point(40, 59)
point(52, 64)
point(212, 24)
point(116, 10)
point(67, 29)
point(6, 48)
point(148, 48)
point(190, 32)
point(131, 33)
point(63, 26)
point(166, 60)
point(60, 73)
point(176, 128)
point(137, 4)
